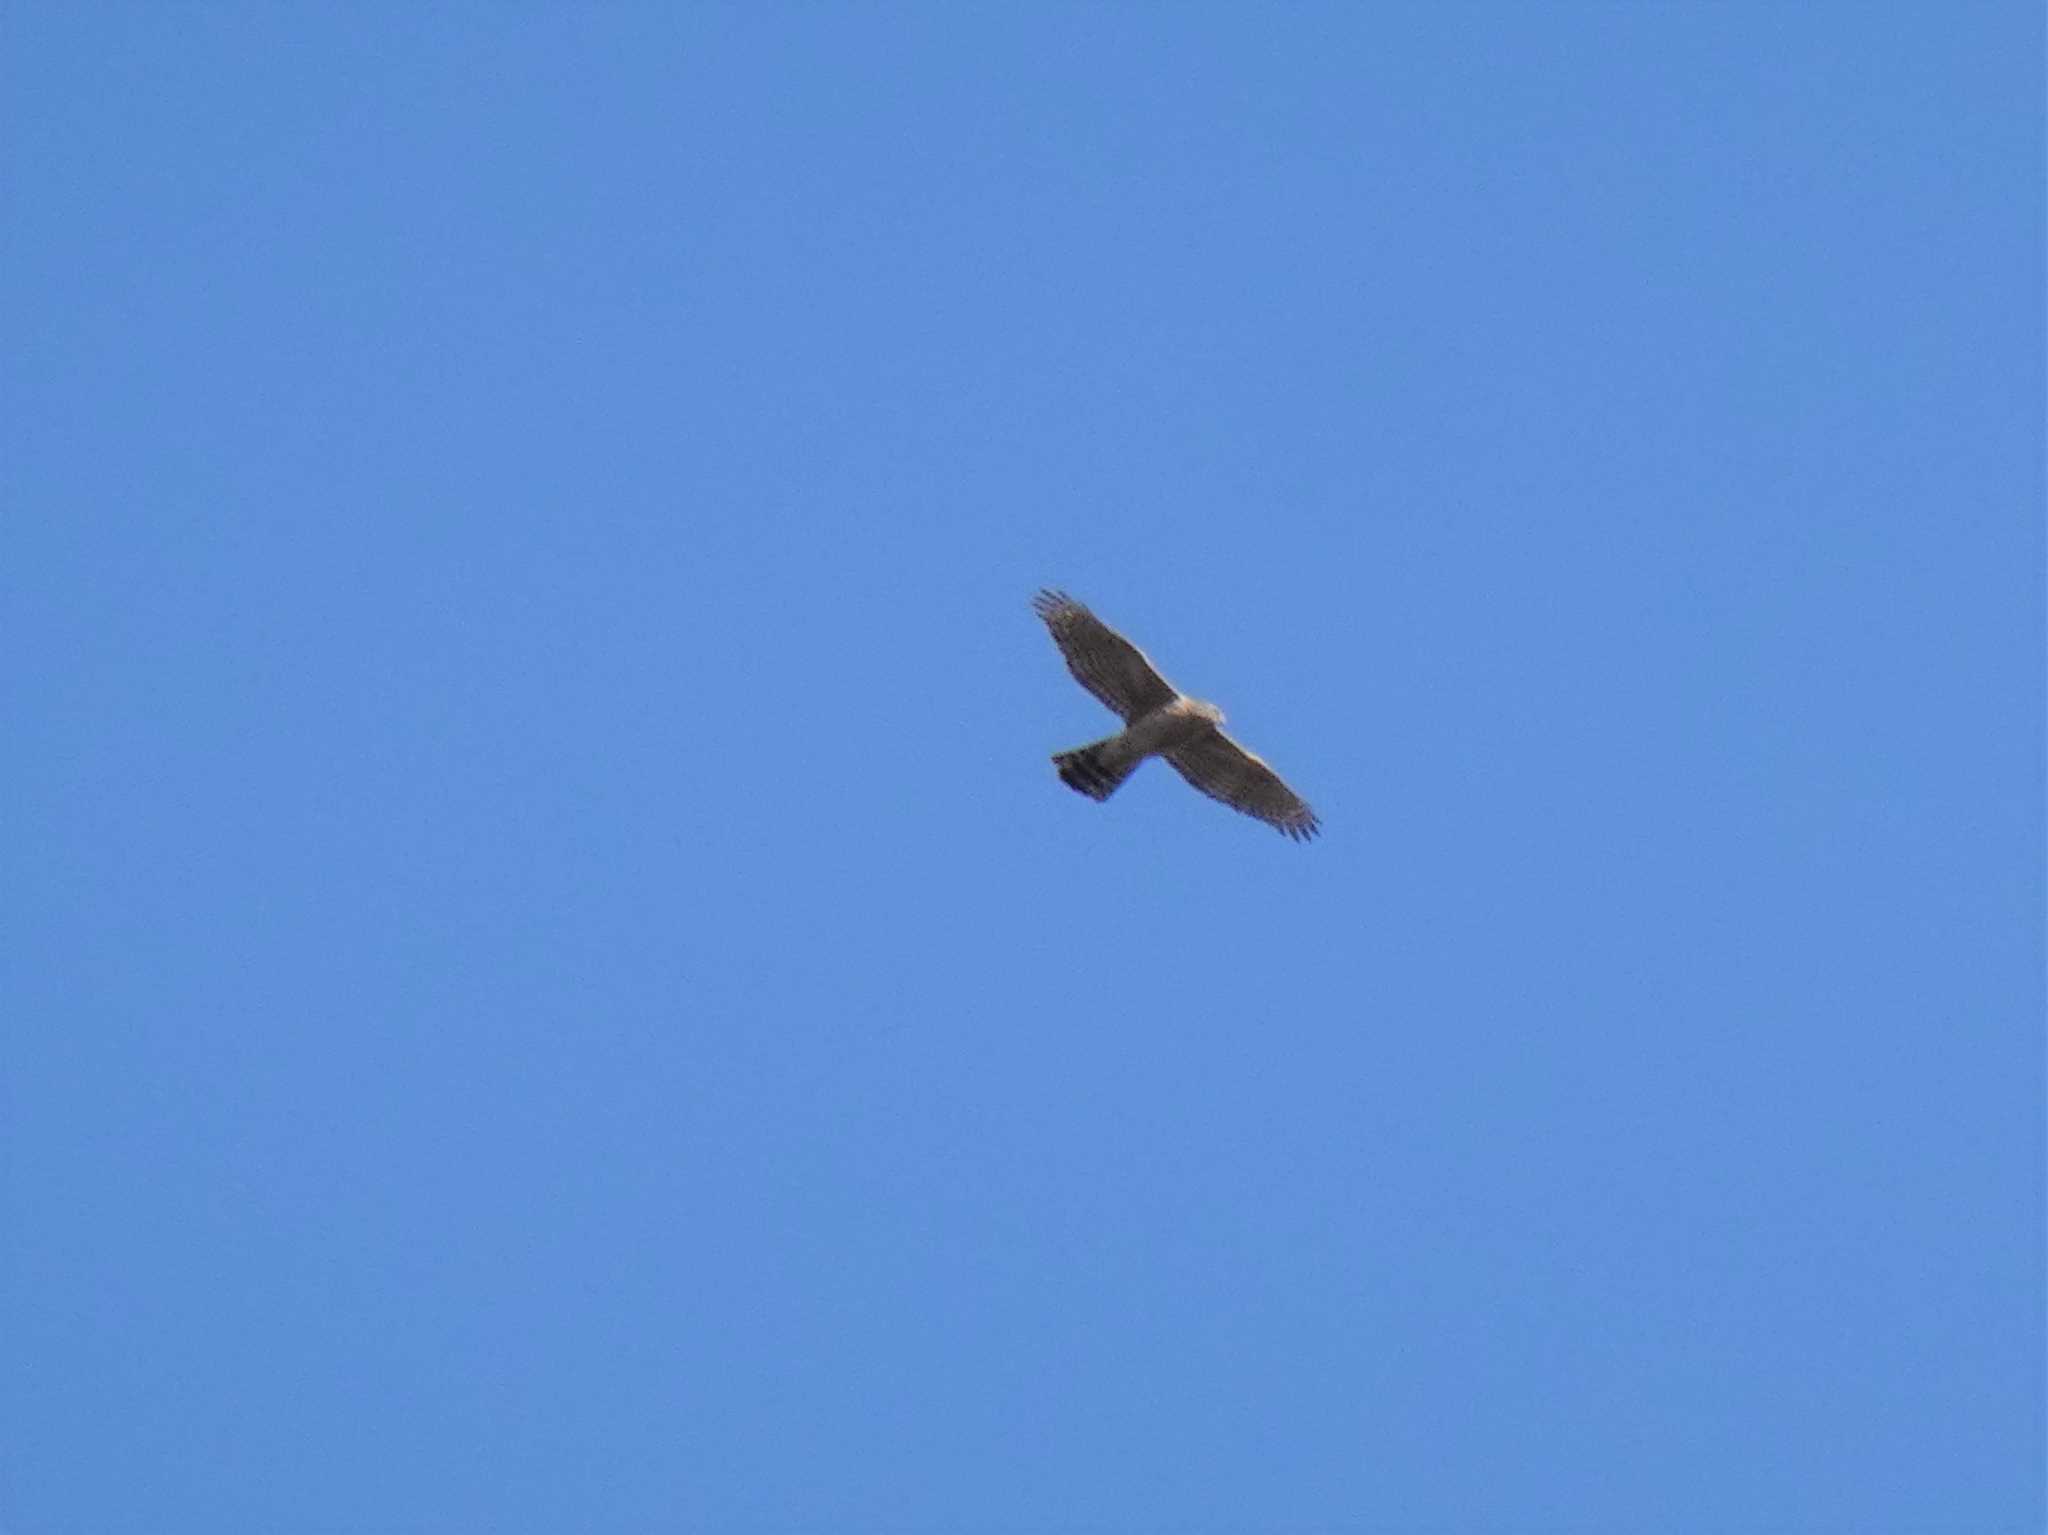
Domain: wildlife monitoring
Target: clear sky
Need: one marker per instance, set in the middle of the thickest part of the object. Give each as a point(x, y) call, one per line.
point(549, 983)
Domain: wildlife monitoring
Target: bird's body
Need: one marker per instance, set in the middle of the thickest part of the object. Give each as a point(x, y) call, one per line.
point(1160, 721)
point(1097, 769)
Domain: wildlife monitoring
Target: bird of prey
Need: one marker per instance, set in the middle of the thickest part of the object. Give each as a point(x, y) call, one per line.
point(1159, 721)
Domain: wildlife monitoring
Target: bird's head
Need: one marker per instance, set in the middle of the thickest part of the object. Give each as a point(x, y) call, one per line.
point(1208, 711)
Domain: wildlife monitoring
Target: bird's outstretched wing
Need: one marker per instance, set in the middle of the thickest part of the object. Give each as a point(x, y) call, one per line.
point(1223, 770)
point(1103, 661)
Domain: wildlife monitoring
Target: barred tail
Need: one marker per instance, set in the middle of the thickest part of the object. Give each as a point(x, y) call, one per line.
point(1096, 770)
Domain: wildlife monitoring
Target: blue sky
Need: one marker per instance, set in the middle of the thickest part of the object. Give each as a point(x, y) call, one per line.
point(550, 984)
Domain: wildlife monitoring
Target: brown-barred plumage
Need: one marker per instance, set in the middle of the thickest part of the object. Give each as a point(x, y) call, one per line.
point(1159, 721)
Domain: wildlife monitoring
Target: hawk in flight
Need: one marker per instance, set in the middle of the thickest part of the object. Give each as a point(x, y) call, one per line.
point(1159, 721)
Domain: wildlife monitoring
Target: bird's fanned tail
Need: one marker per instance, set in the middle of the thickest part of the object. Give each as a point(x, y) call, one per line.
point(1096, 770)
